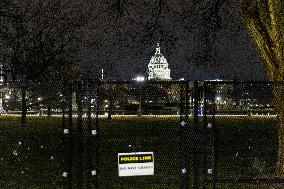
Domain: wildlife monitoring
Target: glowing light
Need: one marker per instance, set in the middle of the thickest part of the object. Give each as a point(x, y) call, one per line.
point(218, 98)
point(140, 78)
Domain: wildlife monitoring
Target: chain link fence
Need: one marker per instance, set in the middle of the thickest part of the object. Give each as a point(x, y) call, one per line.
point(244, 121)
point(31, 150)
point(209, 134)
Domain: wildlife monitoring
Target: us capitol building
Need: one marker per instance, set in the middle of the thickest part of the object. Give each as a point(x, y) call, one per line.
point(158, 68)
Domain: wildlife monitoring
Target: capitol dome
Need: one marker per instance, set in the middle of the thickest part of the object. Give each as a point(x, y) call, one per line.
point(158, 68)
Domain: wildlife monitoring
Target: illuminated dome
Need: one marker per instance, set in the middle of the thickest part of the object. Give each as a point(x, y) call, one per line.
point(158, 68)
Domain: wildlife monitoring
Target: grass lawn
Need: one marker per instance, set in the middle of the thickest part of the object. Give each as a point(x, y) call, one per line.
point(31, 157)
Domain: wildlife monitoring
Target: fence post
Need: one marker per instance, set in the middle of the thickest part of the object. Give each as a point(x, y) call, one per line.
point(80, 137)
point(95, 135)
point(64, 140)
point(89, 144)
point(214, 147)
point(204, 137)
point(184, 106)
point(91, 135)
point(195, 138)
point(209, 130)
point(67, 140)
point(70, 136)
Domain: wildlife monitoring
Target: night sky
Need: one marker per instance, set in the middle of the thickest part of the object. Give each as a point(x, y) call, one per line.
point(124, 34)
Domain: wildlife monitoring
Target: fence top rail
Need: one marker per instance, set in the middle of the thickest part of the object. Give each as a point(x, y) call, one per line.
point(189, 81)
point(19, 83)
point(245, 82)
point(99, 82)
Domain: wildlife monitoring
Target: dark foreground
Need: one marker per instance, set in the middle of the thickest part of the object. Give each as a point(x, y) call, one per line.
point(31, 157)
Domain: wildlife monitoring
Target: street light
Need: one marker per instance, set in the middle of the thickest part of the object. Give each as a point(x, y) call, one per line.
point(218, 98)
point(140, 79)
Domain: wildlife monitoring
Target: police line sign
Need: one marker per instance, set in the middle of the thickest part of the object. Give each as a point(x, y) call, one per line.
point(135, 164)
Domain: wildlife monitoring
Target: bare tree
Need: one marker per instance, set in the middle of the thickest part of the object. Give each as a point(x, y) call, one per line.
point(264, 21)
point(42, 39)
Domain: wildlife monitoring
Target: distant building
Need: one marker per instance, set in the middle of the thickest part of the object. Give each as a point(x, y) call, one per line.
point(1, 83)
point(158, 68)
point(1, 74)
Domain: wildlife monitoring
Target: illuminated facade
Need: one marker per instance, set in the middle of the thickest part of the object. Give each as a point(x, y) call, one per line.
point(158, 68)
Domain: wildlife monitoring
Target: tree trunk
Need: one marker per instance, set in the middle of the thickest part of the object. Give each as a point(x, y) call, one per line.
point(279, 106)
point(24, 107)
point(110, 108)
point(264, 23)
point(278, 103)
point(49, 110)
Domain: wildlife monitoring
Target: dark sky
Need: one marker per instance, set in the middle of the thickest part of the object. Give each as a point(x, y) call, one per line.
point(125, 33)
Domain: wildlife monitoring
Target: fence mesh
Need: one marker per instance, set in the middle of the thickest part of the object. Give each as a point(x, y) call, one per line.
point(30, 152)
point(202, 134)
point(245, 135)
